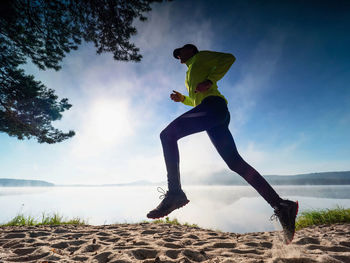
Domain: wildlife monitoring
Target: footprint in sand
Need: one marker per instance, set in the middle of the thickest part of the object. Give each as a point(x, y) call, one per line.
point(91, 248)
point(345, 259)
point(122, 233)
point(177, 234)
point(143, 253)
point(60, 245)
point(141, 243)
point(294, 260)
point(194, 255)
point(200, 243)
point(149, 232)
point(15, 235)
point(61, 231)
point(171, 245)
point(266, 244)
point(103, 257)
point(246, 251)
point(72, 249)
point(39, 244)
point(80, 258)
point(77, 242)
point(31, 240)
point(30, 257)
point(39, 234)
point(173, 253)
point(224, 245)
point(104, 234)
point(24, 251)
point(113, 240)
point(13, 244)
point(191, 236)
point(259, 245)
point(104, 238)
point(332, 249)
point(307, 240)
point(170, 239)
point(344, 243)
point(76, 236)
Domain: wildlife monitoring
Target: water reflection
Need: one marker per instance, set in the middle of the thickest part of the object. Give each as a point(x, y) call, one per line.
point(22, 190)
point(324, 191)
point(228, 208)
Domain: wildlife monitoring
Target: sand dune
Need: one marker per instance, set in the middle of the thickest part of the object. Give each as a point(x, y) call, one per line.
point(155, 243)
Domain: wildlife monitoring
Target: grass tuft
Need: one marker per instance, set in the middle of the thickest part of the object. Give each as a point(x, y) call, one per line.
point(21, 220)
point(54, 219)
point(323, 217)
point(172, 222)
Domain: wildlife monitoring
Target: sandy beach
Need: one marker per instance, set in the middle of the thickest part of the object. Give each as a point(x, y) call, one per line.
point(152, 243)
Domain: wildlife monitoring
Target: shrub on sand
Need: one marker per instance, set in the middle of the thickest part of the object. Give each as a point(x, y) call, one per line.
point(323, 217)
point(54, 219)
point(172, 222)
point(21, 220)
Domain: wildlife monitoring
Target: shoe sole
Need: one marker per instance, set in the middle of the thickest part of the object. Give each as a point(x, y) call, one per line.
point(290, 241)
point(170, 211)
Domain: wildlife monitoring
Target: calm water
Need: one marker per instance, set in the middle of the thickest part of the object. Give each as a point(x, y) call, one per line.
point(227, 208)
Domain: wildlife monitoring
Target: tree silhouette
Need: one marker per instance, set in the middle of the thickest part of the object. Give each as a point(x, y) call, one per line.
point(44, 31)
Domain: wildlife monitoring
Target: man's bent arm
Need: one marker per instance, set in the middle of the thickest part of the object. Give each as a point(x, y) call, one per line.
point(188, 101)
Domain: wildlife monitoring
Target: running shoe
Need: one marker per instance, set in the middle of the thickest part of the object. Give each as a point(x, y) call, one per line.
point(286, 214)
point(170, 202)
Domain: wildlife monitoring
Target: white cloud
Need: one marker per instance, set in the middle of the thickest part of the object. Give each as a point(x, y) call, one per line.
point(167, 29)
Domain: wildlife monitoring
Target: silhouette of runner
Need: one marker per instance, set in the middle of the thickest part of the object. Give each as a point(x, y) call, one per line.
point(210, 114)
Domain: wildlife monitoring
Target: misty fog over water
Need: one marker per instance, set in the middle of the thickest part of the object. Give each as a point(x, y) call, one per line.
point(226, 208)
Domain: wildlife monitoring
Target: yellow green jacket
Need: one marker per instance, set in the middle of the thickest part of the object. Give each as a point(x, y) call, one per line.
point(206, 65)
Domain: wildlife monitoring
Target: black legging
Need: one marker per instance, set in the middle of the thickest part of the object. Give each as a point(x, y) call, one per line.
point(211, 115)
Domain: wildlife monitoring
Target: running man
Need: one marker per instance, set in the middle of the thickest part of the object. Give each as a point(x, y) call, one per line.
point(210, 114)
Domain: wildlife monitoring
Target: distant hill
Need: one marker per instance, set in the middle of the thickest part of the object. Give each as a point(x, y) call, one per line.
point(20, 182)
point(327, 178)
point(230, 178)
point(221, 178)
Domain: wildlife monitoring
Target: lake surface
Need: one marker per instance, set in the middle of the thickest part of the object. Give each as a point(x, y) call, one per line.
point(227, 208)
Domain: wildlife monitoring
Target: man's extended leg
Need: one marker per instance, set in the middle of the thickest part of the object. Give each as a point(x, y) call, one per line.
point(285, 210)
point(224, 143)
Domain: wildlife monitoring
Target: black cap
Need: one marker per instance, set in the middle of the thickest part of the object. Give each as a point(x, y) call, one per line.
point(176, 51)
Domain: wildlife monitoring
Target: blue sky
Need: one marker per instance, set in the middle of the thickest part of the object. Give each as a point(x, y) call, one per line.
point(288, 93)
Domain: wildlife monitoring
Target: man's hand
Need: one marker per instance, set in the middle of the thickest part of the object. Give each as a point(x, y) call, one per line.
point(203, 86)
point(177, 96)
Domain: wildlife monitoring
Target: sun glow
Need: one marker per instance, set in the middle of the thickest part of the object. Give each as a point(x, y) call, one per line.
point(107, 123)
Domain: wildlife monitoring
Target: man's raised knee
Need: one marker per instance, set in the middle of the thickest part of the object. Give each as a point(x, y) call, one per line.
point(167, 135)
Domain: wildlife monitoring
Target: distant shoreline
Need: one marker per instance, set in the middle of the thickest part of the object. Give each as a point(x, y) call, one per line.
point(161, 185)
point(224, 178)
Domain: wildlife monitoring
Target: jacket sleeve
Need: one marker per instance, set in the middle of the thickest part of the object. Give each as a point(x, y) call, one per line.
point(220, 64)
point(188, 101)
